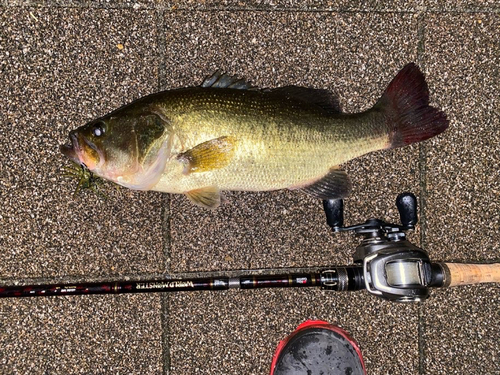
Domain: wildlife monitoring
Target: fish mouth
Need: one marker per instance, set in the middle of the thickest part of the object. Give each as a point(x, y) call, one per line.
point(82, 151)
point(71, 150)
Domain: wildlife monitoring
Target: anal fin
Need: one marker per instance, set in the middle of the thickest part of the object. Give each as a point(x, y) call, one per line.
point(334, 185)
point(207, 197)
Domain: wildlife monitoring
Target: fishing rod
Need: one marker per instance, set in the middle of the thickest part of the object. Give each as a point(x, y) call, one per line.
point(385, 264)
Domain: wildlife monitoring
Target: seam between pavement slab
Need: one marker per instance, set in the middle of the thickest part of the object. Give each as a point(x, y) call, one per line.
point(423, 193)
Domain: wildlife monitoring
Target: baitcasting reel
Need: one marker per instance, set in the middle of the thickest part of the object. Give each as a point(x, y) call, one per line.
point(392, 267)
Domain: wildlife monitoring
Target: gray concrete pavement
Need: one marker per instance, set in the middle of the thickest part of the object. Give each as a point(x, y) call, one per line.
point(64, 63)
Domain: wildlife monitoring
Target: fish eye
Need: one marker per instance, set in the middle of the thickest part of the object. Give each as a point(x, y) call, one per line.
point(98, 129)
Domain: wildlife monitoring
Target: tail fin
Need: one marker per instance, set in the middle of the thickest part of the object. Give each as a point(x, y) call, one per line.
point(406, 104)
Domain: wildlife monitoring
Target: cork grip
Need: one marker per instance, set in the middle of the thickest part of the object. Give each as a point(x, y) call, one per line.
point(464, 274)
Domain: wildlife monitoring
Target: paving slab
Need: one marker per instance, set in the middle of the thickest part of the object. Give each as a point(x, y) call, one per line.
point(355, 55)
point(461, 331)
point(297, 5)
point(77, 61)
point(236, 332)
point(413, 6)
point(81, 335)
point(461, 5)
point(60, 68)
point(63, 67)
point(462, 179)
point(463, 190)
point(108, 4)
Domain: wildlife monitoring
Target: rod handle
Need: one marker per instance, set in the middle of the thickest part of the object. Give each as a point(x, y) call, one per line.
point(465, 274)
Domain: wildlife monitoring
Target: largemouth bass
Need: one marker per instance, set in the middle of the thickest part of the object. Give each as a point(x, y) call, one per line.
point(227, 135)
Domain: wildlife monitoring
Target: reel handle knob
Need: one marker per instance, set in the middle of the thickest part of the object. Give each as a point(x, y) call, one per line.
point(407, 207)
point(334, 210)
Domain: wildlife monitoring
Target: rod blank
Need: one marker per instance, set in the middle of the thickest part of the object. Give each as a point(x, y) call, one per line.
point(167, 285)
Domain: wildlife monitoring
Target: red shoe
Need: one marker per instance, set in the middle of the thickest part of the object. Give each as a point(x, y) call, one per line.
point(317, 347)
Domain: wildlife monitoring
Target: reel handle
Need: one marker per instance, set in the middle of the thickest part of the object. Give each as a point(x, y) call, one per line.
point(407, 207)
point(334, 210)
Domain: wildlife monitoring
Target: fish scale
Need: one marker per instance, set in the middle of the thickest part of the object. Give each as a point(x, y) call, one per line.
point(265, 150)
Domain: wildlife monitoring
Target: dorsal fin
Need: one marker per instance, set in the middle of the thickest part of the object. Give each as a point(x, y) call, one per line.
point(220, 80)
point(324, 99)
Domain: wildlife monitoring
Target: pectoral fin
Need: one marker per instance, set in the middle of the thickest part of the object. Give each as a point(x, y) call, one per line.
point(210, 155)
point(208, 197)
point(334, 185)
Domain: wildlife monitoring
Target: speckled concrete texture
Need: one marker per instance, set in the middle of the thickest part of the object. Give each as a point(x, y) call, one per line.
point(461, 331)
point(73, 335)
point(236, 332)
point(267, 5)
point(64, 63)
point(297, 5)
point(109, 4)
point(463, 178)
point(58, 69)
point(61, 68)
point(462, 5)
point(464, 183)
